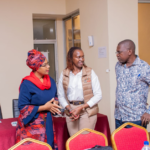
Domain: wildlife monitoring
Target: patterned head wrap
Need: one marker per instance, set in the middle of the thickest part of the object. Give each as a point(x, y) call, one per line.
point(35, 59)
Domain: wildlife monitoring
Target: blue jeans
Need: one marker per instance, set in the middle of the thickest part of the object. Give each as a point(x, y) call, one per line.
point(120, 122)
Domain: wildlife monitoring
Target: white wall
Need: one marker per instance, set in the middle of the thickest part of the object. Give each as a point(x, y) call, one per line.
point(16, 39)
point(122, 24)
point(60, 46)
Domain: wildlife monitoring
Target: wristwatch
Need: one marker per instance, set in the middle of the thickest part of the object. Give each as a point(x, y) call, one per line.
point(69, 109)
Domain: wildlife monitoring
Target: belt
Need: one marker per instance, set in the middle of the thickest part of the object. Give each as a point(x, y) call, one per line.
point(77, 102)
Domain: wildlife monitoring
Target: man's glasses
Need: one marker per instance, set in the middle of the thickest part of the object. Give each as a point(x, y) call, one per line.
point(119, 52)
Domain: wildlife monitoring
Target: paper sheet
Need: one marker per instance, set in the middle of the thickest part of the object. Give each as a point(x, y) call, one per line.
point(102, 52)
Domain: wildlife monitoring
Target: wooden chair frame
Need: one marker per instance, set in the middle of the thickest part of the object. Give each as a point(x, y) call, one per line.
point(79, 132)
point(31, 140)
point(121, 127)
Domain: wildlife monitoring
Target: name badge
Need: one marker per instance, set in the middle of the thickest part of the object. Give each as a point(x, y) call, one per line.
point(87, 80)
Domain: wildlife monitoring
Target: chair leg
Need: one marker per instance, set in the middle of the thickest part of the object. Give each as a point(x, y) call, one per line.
point(1, 116)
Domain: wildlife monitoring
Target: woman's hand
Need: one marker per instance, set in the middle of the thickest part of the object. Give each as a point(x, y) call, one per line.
point(52, 107)
point(56, 102)
point(75, 112)
point(68, 113)
point(73, 118)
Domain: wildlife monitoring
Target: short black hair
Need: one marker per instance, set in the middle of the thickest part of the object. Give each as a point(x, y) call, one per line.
point(129, 44)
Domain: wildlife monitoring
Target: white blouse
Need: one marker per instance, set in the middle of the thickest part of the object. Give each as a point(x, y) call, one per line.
point(75, 90)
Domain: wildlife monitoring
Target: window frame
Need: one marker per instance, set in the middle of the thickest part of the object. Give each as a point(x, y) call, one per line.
point(65, 19)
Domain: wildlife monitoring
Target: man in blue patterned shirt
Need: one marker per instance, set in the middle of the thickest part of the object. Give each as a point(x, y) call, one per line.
point(133, 80)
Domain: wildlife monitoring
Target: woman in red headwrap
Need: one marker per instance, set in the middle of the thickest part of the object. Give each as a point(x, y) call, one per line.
point(37, 100)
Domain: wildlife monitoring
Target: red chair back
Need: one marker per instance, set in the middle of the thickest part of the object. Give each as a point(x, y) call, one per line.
point(31, 144)
point(81, 141)
point(129, 138)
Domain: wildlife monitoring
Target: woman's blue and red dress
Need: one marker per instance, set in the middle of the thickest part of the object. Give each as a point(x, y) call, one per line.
point(31, 123)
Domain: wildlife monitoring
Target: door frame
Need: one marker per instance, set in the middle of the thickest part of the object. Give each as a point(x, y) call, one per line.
point(65, 19)
point(56, 55)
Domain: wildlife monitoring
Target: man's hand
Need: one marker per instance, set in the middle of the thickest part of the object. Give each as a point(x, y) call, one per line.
point(145, 119)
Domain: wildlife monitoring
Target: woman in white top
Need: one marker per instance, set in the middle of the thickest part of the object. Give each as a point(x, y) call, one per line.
point(79, 92)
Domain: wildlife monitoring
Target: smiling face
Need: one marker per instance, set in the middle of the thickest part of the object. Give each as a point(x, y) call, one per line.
point(78, 58)
point(44, 69)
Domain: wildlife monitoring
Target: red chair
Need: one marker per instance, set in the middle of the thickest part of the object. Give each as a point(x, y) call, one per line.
point(81, 141)
point(30, 144)
point(129, 138)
